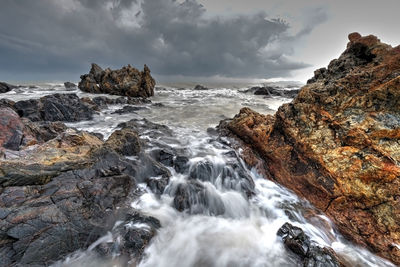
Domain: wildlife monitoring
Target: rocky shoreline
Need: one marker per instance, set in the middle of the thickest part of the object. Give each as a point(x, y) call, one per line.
point(337, 143)
point(64, 190)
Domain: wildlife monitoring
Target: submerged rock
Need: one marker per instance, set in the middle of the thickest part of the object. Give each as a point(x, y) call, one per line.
point(311, 254)
point(337, 143)
point(5, 87)
point(57, 107)
point(127, 81)
point(200, 88)
point(128, 109)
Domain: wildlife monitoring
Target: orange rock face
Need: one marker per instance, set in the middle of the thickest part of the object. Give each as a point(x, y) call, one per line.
point(338, 143)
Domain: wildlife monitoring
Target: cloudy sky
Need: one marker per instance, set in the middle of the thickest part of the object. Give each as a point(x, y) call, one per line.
point(252, 39)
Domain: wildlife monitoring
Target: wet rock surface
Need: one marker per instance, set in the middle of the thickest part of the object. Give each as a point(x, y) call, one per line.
point(66, 193)
point(337, 143)
point(127, 81)
point(41, 224)
point(57, 107)
point(312, 255)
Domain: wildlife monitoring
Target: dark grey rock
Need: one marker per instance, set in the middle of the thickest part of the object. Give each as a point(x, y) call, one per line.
point(5, 87)
point(57, 107)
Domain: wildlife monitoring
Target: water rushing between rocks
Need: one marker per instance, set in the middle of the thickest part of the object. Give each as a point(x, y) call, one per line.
point(214, 210)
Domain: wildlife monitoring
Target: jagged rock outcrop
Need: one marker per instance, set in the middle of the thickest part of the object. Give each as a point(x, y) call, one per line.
point(337, 143)
point(127, 81)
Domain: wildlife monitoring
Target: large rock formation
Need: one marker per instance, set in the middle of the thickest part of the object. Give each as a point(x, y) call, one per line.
point(338, 143)
point(127, 81)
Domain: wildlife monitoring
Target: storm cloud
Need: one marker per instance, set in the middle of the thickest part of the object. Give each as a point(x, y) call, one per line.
point(47, 37)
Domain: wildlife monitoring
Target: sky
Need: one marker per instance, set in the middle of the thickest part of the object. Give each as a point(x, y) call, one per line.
point(47, 40)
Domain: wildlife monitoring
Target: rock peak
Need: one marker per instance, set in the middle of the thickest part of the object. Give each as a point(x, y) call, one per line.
point(354, 36)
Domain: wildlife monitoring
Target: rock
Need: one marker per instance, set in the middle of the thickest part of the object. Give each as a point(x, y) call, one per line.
point(5, 87)
point(273, 91)
point(311, 254)
point(194, 198)
point(181, 164)
point(132, 237)
point(154, 174)
point(69, 151)
point(11, 129)
point(200, 88)
point(126, 142)
point(57, 107)
point(153, 130)
point(43, 131)
point(6, 103)
point(127, 81)
point(337, 143)
point(43, 223)
point(128, 109)
point(69, 85)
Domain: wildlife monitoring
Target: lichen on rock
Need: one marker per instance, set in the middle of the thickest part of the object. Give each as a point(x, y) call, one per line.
point(337, 143)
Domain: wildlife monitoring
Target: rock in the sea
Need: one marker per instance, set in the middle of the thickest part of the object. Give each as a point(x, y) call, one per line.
point(128, 109)
point(127, 81)
point(69, 85)
point(57, 107)
point(270, 91)
point(200, 87)
point(5, 87)
point(337, 143)
point(311, 254)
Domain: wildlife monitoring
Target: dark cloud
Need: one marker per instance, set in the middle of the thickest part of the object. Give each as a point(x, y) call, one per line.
point(47, 37)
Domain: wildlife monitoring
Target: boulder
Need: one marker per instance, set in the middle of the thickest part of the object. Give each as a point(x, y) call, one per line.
point(5, 87)
point(337, 143)
point(57, 107)
point(126, 142)
point(312, 255)
point(127, 81)
point(69, 85)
